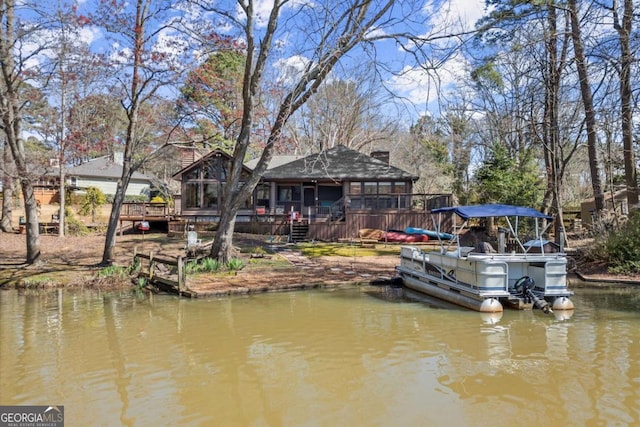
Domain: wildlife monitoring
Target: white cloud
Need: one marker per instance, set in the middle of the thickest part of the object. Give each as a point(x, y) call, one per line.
point(421, 86)
point(89, 35)
point(290, 69)
point(457, 15)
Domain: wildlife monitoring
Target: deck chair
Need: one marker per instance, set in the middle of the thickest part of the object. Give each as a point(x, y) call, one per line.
point(193, 243)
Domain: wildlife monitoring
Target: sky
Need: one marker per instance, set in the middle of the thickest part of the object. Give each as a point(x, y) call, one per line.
point(415, 85)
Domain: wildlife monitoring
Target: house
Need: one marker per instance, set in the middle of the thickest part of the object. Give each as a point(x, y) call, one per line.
point(614, 203)
point(324, 184)
point(337, 186)
point(104, 173)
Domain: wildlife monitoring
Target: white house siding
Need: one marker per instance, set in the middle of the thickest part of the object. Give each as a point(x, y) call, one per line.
point(108, 186)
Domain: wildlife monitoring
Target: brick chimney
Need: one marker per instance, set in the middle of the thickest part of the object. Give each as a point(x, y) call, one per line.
point(381, 155)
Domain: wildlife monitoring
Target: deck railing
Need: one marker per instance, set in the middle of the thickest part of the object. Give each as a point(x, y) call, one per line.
point(142, 209)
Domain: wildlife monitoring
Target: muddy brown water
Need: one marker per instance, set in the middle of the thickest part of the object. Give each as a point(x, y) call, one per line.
point(355, 356)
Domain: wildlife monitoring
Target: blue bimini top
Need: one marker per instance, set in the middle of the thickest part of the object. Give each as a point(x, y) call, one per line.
point(492, 210)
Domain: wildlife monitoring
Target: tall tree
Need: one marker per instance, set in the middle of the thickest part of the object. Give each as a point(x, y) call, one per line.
point(212, 96)
point(587, 102)
point(8, 185)
point(12, 103)
point(142, 66)
point(624, 28)
point(427, 152)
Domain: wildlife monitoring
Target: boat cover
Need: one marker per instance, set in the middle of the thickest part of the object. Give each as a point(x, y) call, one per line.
point(492, 210)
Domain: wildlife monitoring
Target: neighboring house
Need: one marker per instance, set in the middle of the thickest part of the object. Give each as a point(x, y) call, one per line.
point(104, 173)
point(613, 203)
point(333, 186)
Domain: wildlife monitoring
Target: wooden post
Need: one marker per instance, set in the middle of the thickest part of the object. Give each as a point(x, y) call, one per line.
point(181, 274)
point(150, 265)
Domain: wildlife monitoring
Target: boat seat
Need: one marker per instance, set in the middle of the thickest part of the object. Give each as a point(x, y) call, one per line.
point(484, 248)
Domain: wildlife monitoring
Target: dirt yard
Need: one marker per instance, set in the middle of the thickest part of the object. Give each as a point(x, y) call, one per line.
point(73, 261)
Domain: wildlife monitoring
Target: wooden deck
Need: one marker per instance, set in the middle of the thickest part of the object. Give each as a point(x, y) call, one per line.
point(135, 213)
point(323, 229)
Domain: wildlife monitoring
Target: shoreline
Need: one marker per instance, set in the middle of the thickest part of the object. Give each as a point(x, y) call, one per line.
point(72, 263)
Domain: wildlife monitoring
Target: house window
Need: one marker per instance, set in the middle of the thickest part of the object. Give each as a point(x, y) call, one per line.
point(192, 195)
point(193, 174)
point(384, 188)
point(370, 188)
point(288, 193)
point(355, 188)
point(262, 195)
point(399, 187)
point(224, 171)
point(210, 195)
point(210, 170)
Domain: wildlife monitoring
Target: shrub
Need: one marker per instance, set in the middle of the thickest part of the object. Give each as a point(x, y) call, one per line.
point(93, 199)
point(205, 265)
point(235, 264)
point(74, 226)
point(623, 247)
point(113, 271)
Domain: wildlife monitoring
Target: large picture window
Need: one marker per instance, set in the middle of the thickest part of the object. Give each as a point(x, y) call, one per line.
point(203, 184)
point(288, 193)
point(192, 196)
point(210, 195)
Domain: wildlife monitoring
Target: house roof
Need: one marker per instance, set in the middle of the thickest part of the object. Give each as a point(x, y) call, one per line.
point(217, 152)
point(275, 161)
point(102, 167)
point(338, 163)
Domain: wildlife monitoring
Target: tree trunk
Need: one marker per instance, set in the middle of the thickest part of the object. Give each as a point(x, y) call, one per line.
point(587, 101)
point(550, 121)
point(626, 107)
point(33, 225)
point(223, 243)
point(108, 254)
point(11, 110)
point(61, 214)
point(7, 191)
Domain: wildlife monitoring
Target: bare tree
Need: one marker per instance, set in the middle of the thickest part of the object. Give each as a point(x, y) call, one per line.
point(12, 104)
point(343, 112)
point(624, 29)
point(587, 102)
point(8, 184)
point(328, 31)
point(142, 66)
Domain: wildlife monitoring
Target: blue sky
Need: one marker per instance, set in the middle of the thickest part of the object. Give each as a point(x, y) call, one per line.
point(415, 85)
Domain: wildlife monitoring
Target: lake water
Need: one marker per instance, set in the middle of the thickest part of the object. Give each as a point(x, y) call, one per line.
point(350, 357)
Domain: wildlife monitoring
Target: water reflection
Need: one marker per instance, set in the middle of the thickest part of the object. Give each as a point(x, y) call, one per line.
point(366, 356)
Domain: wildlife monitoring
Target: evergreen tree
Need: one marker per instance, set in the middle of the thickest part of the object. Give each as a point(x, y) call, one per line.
point(502, 180)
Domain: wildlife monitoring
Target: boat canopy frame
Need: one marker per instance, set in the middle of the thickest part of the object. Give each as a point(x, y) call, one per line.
point(491, 211)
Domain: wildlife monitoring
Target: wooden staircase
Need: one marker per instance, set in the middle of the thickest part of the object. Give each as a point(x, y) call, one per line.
point(299, 231)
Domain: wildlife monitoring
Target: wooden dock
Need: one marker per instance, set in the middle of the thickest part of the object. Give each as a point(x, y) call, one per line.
point(165, 274)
